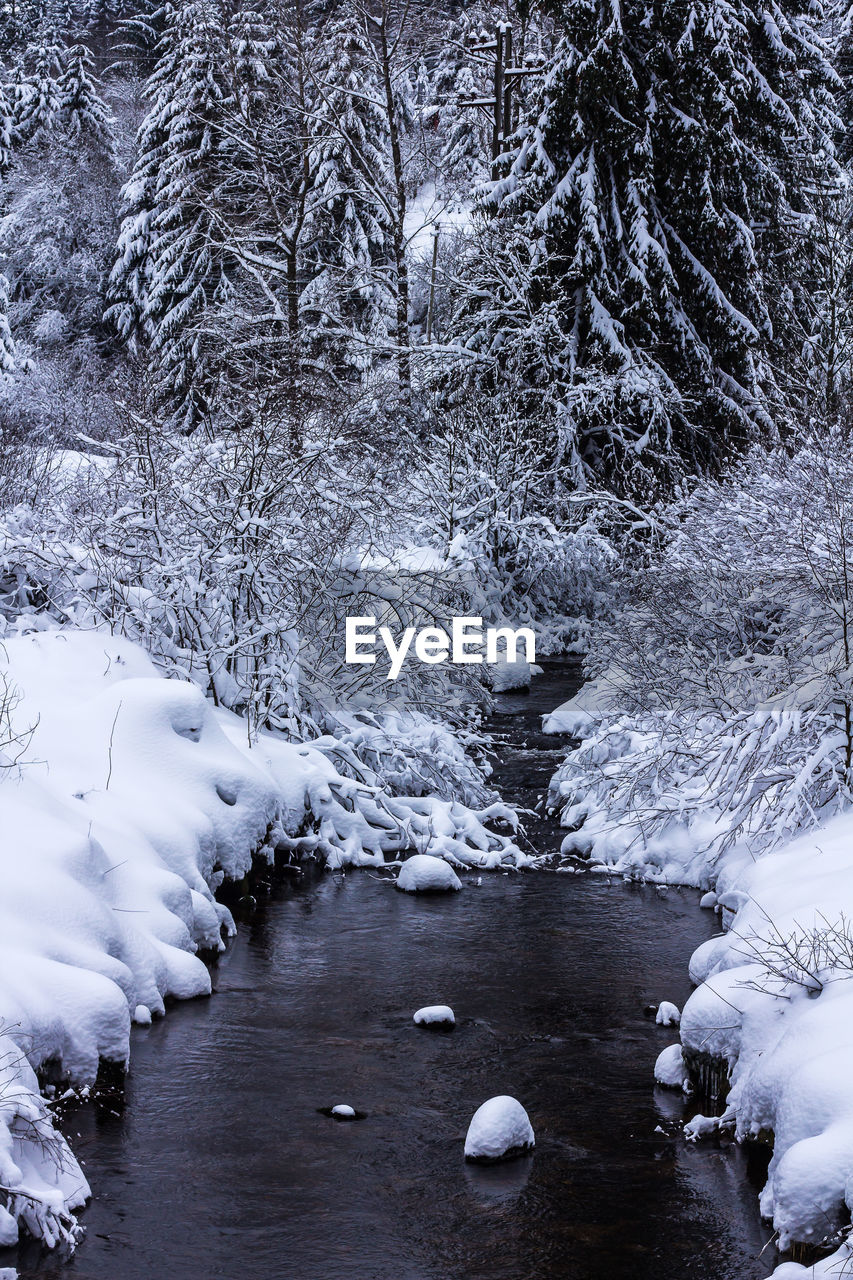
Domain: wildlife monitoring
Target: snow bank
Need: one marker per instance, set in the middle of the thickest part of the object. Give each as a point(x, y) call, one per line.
point(499, 1130)
point(505, 676)
point(772, 1014)
point(580, 714)
point(125, 800)
point(425, 874)
point(775, 1003)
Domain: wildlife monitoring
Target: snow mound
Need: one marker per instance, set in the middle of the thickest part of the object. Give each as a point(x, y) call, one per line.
point(423, 873)
point(670, 1068)
point(499, 1130)
point(580, 714)
point(504, 675)
point(668, 1014)
point(435, 1015)
point(343, 1111)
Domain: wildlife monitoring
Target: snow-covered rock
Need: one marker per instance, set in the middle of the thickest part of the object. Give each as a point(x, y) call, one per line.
point(505, 676)
point(670, 1068)
point(435, 1015)
point(580, 713)
point(343, 1111)
point(708, 901)
point(423, 873)
point(499, 1130)
point(668, 1014)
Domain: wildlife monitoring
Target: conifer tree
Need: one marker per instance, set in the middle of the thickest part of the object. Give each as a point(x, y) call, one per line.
point(36, 91)
point(80, 106)
point(646, 221)
point(351, 194)
point(7, 345)
point(172, 267)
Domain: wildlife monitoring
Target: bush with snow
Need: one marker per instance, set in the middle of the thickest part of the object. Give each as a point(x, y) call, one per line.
point(41, 1183)
point(499, 1130)
point(722, 704)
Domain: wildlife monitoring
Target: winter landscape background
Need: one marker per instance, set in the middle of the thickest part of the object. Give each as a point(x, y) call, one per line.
point(540, 314)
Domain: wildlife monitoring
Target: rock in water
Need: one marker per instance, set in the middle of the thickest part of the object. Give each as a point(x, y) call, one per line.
point(435, 1015)
point(670, 1069)
point(425, 874)
point(343, 1111)
point(667, 1014)
point(499, 1130)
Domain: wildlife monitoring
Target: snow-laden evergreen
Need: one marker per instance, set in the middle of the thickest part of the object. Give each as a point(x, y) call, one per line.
point(172, 266)
point(627, 276)
point(352, 197)
point(81, 107)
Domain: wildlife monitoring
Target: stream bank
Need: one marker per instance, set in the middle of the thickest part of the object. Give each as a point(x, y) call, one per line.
point(219, 1163)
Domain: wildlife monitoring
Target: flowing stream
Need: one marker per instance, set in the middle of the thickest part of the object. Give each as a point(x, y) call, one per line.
point(220, 1163)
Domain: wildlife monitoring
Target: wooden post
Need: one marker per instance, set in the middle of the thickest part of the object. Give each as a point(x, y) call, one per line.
point(431, 307)
point(507, 113)
point(497, 129)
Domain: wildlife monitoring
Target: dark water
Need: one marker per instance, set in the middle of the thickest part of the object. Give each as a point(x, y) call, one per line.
point(222, 1166)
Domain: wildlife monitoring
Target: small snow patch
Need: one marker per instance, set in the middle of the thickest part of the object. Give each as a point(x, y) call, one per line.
point(424, 874)
point(436, 1016)
point(708, 901)
point(500, 1130)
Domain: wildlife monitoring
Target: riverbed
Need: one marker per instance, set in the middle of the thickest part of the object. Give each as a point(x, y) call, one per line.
point(219, 1161)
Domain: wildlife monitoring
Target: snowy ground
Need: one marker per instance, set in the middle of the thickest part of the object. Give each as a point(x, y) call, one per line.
point(774, 1001)
point(125, 799)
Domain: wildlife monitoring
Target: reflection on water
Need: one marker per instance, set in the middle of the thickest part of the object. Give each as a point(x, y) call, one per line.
point(221, 1165)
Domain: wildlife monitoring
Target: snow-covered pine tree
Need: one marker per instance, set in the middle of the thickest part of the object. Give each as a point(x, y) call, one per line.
point(80, 106)
point(348, 303)
point(7, 343)
point(459, 74)
point(647, 215)
point(8, 136)
point(173, 264)
point(36, 91)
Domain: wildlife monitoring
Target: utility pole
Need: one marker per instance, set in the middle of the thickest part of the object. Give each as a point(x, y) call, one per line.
point(436, 232)
point(505, 79)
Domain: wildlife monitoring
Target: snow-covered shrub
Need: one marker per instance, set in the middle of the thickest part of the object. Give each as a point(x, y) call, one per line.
point(724, 707)
point(41, 1183)
point(235, 562)
point(527, 551)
